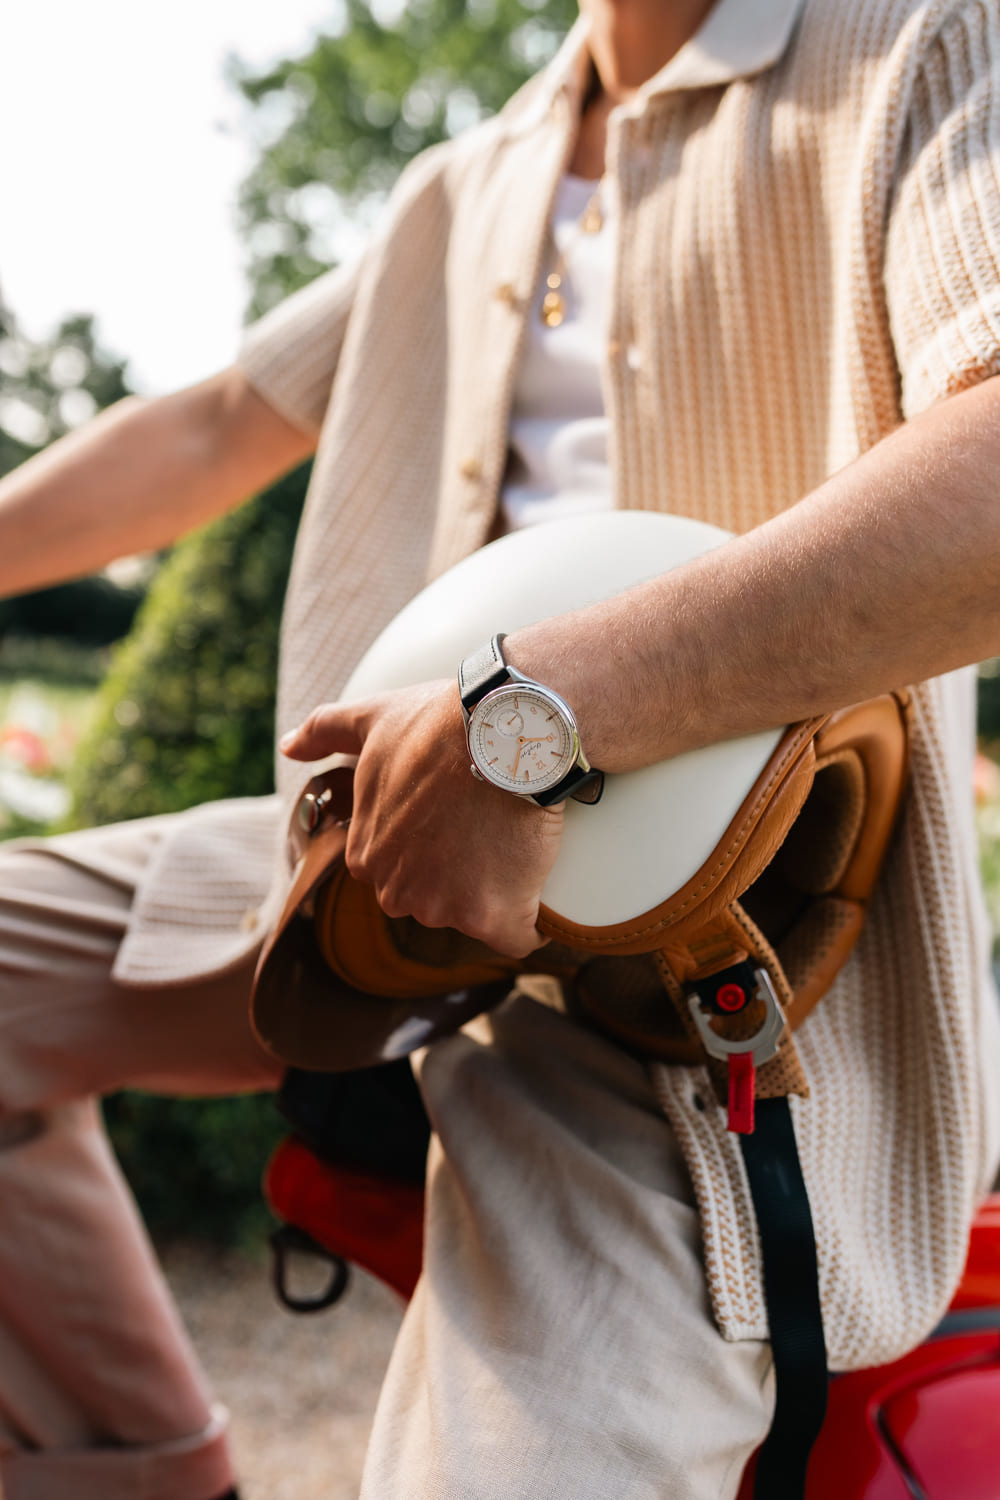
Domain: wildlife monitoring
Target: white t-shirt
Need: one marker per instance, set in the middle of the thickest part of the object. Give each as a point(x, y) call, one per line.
point(558, 441)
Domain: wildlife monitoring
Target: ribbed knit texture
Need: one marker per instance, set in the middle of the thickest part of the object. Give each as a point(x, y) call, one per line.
point(806, 256)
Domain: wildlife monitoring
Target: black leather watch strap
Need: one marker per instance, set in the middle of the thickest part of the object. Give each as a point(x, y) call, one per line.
point(481, 672)
point(581, 785)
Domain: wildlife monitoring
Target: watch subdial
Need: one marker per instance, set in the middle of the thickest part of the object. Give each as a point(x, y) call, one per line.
point(510, 723)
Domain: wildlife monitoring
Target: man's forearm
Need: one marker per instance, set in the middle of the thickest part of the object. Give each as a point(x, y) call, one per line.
point(139, 476)
point(885, 575)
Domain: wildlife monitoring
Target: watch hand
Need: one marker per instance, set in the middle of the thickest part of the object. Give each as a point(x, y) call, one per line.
point(527, 739)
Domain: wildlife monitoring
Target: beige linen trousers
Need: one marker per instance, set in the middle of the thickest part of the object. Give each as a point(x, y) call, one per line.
point(808, 252)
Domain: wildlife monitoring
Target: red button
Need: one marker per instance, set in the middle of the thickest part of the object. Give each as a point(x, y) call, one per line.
point(730, 997)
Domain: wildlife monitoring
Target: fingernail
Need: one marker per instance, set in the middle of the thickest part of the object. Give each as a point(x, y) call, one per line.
point(287, 739)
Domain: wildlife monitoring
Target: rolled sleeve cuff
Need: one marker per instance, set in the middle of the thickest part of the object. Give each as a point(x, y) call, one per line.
point(197, 1467)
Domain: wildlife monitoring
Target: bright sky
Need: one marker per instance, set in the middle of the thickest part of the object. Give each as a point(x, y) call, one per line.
point(122, 151)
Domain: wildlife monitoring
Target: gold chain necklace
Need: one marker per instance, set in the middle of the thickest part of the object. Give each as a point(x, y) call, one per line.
point(591, 221)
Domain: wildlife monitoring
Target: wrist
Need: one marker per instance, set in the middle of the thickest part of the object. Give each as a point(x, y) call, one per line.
point(596, 688)
point(636, 679)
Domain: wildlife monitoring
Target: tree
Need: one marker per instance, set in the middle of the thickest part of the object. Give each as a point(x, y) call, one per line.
point(46, 389)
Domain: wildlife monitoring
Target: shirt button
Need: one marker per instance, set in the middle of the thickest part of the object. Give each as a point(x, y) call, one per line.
point(470, 468)
point(633, 357)
point(614, 348)
point(506, 294)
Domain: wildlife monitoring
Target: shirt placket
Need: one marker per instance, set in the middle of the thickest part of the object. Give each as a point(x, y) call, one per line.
point(474, 470)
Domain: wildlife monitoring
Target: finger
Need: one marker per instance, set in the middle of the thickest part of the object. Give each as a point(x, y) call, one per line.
point(330, 727)
point(510, 931)
point(513, 941)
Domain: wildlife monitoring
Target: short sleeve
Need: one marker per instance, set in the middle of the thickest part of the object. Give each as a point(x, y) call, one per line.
point(942, 271)
point(290, 355)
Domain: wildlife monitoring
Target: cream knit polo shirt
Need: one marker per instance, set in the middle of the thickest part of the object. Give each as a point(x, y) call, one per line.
point(809, 252)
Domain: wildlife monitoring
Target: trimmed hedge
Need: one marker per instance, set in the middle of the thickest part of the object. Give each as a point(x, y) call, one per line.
point(89, 611)
point(989, 700)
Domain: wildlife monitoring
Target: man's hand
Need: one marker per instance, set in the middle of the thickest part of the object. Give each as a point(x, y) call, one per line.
point(436, 844)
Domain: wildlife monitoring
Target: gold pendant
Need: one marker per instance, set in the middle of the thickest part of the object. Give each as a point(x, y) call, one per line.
point(553, 309)
point(553, 303)
point(592, 221)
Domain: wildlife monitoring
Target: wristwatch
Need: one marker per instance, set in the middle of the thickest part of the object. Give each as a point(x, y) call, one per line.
point(522, 736)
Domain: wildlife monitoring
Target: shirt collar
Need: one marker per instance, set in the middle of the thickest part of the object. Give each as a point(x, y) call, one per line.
point(737, 39)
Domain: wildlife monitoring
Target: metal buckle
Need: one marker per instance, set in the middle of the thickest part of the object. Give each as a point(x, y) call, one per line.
point(763, 1044)
point(311, 810)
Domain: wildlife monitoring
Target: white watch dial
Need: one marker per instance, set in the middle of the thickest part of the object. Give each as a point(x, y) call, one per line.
point(523, 739)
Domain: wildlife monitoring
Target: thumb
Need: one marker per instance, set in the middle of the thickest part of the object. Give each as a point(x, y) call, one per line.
point(330, 727)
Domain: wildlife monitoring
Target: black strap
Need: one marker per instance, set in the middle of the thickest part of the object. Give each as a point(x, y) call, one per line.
point(791, 1289)
point(481, 672)
point(582, 785)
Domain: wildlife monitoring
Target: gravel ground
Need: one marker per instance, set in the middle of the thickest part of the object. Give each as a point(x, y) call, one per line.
point(301, 1390)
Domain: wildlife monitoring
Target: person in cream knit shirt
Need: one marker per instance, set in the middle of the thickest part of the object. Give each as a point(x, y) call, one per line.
point(782, 316)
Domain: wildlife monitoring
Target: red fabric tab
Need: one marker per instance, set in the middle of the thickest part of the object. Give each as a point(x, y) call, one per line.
point(376, 1222)
point(742, 1075)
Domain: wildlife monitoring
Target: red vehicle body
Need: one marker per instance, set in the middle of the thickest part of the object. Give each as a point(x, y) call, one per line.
point(926, 1427)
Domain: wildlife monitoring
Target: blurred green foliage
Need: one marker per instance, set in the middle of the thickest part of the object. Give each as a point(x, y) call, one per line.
point(52, 659)
point(989, 701)
point(195, 1164)
point(46, 389)
point(90, 611)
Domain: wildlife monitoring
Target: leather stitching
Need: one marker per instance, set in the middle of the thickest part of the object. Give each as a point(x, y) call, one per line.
point(805, 736)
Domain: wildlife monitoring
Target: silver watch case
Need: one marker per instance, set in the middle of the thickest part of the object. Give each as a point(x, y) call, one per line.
point(481, 711)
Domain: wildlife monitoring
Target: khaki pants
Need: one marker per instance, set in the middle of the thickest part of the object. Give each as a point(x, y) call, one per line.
point(559, 1346)
point(101, 1396)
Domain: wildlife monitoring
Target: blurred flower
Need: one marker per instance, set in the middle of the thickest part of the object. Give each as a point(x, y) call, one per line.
point(37, 741)
point(24, 747)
